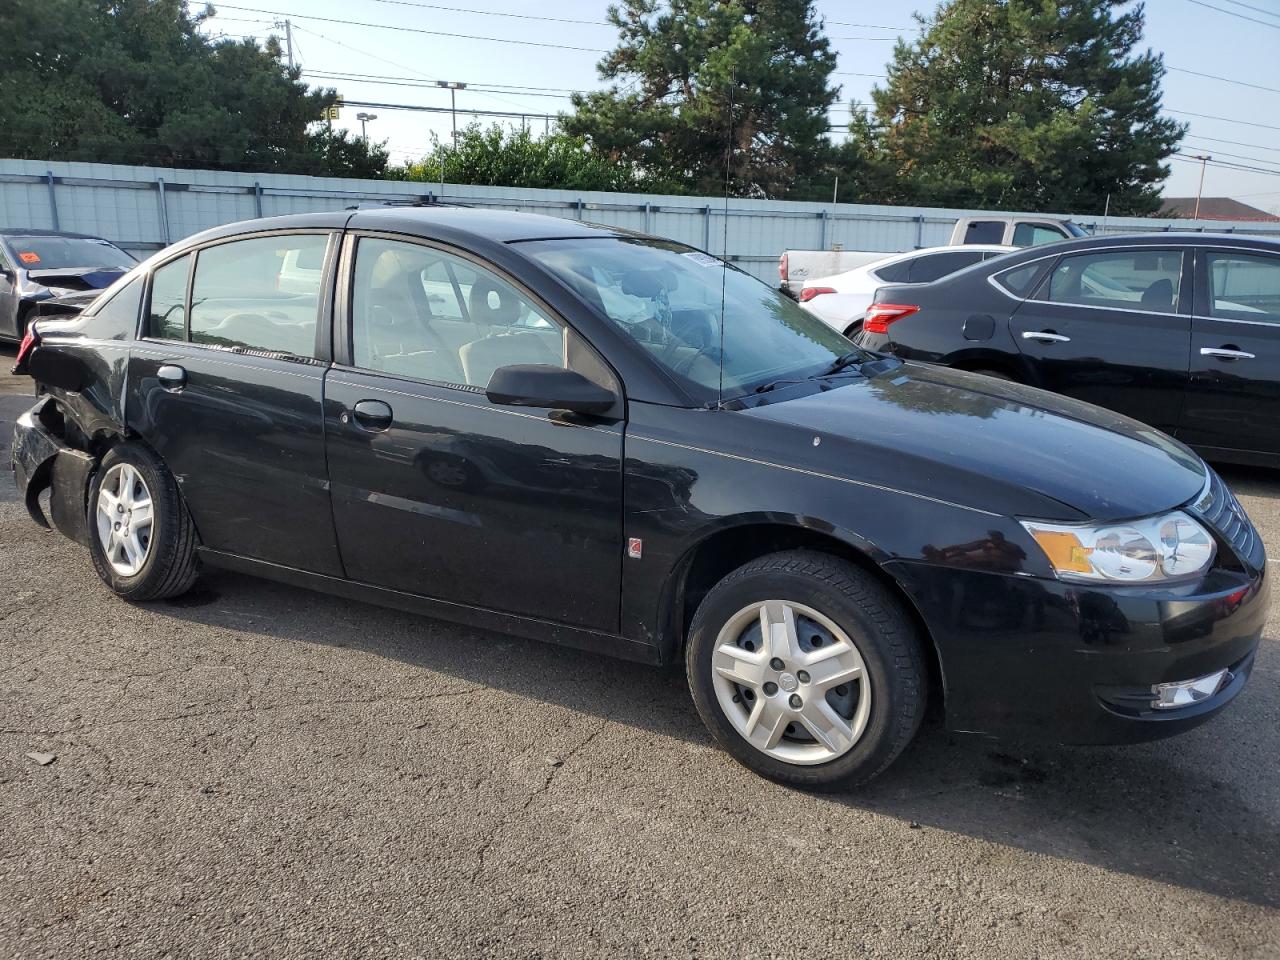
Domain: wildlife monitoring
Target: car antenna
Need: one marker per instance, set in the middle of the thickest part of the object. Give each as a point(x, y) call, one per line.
point(724, 249)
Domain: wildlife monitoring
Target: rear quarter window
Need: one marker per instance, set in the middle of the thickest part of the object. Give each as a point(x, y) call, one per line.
point(117, 318)
point(1022, 281)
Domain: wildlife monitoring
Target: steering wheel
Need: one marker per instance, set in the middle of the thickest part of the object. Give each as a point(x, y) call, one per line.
point(709, 350)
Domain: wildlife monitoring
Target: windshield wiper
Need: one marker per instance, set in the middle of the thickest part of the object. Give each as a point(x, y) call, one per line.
point(836, 365)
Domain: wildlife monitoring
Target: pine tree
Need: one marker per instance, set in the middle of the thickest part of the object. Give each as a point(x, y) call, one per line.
point(1023, 104)
point(685, 71)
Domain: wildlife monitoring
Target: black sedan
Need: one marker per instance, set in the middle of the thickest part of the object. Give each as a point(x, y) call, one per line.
point(1178, 330)
point(37, 266)
point(615, 442)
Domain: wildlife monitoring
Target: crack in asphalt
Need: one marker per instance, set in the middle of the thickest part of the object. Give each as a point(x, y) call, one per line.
point(550, 778)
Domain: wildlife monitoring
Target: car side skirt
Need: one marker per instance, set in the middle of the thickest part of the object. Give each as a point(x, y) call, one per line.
point(528, 627)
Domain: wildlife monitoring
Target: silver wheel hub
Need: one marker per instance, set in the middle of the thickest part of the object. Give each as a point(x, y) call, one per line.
point(124, 519)
point(791, 682)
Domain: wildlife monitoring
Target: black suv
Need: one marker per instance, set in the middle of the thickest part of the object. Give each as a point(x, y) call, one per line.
point(1180, 331)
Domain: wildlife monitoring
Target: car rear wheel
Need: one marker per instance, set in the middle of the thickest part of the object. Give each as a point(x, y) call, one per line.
point(141, 538)
point(807, 670)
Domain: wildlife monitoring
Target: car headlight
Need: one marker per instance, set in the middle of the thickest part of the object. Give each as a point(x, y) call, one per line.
point(1171, 546)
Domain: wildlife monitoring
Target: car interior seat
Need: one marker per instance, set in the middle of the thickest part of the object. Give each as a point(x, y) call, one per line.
point(1159, 296)
point(497, 309)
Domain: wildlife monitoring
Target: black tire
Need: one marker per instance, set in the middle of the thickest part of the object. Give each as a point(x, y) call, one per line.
point(853, 329)
point(171, 566)
point(874, 621)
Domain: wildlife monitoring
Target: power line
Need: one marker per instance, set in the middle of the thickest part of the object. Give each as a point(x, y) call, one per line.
point(1210, 116)
point(424, 84)
point(1232, 13)
point(1213, 76)
point(1238, 156)
point(494, 13)
point(404, 29)
point(1269, 13)
point(1236, 143)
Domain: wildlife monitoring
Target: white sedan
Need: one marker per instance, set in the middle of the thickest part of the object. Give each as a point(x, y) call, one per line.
point(841, 300)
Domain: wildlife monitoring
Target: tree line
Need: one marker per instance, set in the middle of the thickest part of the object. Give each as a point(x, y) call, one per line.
point(1026, 104)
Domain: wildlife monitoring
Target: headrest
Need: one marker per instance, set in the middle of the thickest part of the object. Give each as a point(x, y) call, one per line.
point(491, 304)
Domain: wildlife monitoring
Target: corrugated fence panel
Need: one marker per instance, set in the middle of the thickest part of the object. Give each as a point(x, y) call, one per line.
point(145, 208)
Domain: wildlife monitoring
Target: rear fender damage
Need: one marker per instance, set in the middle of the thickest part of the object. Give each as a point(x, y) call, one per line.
point(43, 461)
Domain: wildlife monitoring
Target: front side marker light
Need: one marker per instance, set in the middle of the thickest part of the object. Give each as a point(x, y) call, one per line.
point(1184, 693)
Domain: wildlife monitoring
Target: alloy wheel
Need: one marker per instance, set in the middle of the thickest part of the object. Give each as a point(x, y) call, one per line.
point(125, 519)
point(791, 682)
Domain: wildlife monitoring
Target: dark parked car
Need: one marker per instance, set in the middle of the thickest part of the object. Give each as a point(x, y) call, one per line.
point(41, 265)
point(1178, 330)
point(541, 427)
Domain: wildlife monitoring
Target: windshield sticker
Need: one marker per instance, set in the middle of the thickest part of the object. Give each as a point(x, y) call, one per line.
point(28, 257)
point(702, 259)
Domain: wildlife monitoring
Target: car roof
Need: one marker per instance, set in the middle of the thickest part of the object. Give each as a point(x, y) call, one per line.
point(38, 232)
point(500, 226)
point(1162, 238)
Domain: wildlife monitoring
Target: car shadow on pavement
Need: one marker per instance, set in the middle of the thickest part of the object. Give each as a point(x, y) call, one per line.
point(1199, 811)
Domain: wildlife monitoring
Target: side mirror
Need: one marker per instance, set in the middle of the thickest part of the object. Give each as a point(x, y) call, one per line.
point(542, 385)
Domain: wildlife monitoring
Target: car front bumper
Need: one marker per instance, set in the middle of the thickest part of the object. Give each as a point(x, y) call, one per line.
point(1042, 660)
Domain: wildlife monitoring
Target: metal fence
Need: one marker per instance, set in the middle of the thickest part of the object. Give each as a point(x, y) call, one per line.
point(147, 208)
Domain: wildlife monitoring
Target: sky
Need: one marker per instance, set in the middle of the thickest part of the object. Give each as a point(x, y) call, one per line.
point(410, 45)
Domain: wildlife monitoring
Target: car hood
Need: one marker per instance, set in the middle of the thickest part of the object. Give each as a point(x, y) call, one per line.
point(1002, 447)
point(77, 278)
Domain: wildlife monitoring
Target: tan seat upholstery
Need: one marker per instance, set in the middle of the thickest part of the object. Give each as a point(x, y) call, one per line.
point(498, 308)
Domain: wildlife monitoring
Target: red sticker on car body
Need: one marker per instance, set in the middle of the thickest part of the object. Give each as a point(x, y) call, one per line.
point(29, 257)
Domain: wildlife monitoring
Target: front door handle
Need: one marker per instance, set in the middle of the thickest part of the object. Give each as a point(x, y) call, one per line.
point(1225, 353)
point(172, 377)
point(372, 415)
point(1045, 336)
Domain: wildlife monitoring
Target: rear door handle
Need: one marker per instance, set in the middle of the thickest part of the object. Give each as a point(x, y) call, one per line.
point(1225, 353)
point(171, 376)
point(372, 415)
point(1045, 336)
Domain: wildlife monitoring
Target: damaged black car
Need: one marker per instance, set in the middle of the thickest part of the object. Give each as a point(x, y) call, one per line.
point(616, 442)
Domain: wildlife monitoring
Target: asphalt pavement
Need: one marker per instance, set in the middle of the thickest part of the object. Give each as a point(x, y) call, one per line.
point(256, 770)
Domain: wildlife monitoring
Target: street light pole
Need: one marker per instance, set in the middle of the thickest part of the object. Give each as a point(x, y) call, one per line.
point(1200, 190)
point(453, 88)
point(365, 118)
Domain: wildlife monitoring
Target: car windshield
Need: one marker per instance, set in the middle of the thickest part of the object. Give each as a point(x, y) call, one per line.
point(68, 253)
point(668, 298)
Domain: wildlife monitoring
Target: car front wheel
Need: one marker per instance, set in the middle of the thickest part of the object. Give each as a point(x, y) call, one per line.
point(807, 670)
point(141, 538)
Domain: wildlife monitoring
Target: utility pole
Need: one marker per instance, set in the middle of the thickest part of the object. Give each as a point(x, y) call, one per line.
point(453, 89)
point(1200, 191)
point(288, 40)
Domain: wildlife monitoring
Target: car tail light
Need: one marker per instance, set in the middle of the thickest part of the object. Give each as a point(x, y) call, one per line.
point(30, 340)
point(808, 293)
point(782, 268)
point(880, 315)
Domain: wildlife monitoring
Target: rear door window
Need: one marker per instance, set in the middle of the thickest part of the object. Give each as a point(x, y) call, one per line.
point(167, 317)
point(259, 294)
point(1146, 280)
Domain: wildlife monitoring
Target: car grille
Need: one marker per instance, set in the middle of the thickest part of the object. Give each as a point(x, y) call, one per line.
point(1219, 508)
